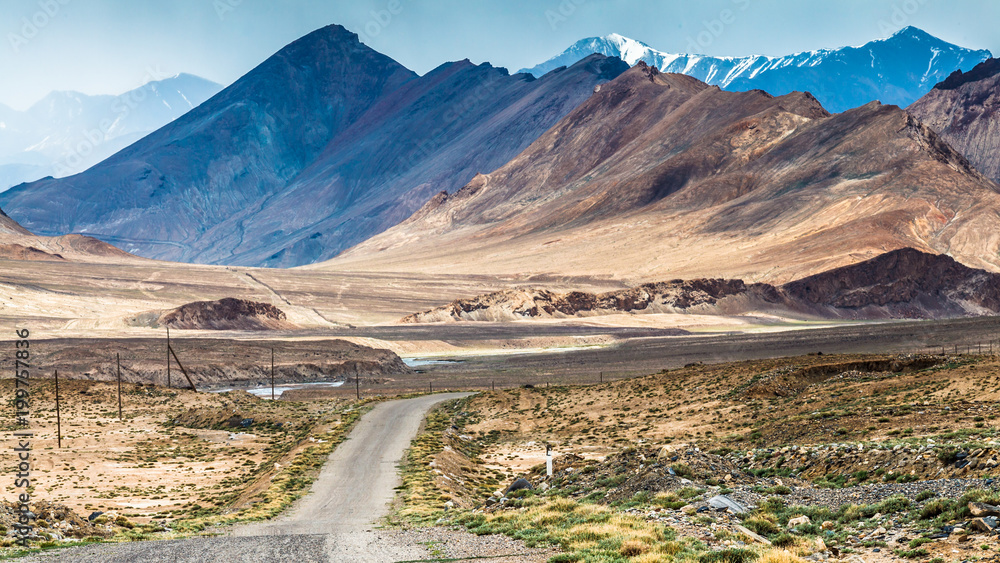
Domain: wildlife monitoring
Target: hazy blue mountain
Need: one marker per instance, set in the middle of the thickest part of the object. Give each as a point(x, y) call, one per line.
point(897, 70)
point(321, 146)
point(68, 132)
point(164, 192)
point(434, 134)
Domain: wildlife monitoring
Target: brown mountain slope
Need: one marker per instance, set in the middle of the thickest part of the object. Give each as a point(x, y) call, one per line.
point(904, 283)
point(17, 243)
point(659, 175)
point(965, 111)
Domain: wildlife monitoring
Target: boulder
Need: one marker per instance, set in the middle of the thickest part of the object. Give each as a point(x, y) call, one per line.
point(723, 502)
point(519, 484)
point(799, 521)
point(981, 509)
point(983, 525)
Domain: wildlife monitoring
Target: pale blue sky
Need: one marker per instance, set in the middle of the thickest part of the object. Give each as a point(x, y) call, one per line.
point(110, 46)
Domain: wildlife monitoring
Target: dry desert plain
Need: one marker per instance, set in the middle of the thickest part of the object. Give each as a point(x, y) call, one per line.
point(638, 435)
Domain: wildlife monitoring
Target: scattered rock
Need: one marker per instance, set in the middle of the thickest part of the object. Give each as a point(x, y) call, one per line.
point(984, 525)
point(752, 535)
point(799, 521)
point(519, 484)
point(980, 509)
point(722, 502)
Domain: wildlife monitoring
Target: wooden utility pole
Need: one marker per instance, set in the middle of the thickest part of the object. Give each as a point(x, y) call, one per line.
point(118, 360)
point(58, 420)
point(272, 374)
point(180, 365)
point(357, 385)
point(168, 356)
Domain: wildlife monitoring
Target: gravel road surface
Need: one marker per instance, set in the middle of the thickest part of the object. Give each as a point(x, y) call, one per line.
point(334, 522)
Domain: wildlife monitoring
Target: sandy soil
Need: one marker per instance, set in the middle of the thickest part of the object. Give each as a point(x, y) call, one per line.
point(145, 466)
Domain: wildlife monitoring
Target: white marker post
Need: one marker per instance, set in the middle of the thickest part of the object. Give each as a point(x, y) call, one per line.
point(548, 460)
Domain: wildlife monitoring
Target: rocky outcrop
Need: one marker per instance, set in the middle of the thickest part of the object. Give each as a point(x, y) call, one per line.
point(662, 297)
point(904, 283)
point(965, 110)
point(226, 314)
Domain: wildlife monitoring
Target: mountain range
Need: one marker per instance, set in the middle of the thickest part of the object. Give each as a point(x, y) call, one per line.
point(322, 145)
point(328, 143)
point(68, 132)
point(896, 70)
point(434, 133)
point(692, 181)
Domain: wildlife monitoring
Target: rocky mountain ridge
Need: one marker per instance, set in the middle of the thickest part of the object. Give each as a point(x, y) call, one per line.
point(964, 110)
point(695, 182)
point(905, 283)
point(895, 70)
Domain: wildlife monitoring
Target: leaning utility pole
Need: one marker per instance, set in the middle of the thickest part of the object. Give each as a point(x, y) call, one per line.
point(58, 420)
point(180, 365)
point(168, 356)
point(118, 360)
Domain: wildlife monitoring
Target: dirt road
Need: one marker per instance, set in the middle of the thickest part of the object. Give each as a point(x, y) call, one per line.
point(359, 478)
point(332, 523)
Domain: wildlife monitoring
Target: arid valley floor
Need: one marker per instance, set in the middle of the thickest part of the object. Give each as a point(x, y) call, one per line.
point(881, 433)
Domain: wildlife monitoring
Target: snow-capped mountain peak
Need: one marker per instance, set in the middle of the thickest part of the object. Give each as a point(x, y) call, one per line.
point(894, 70)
